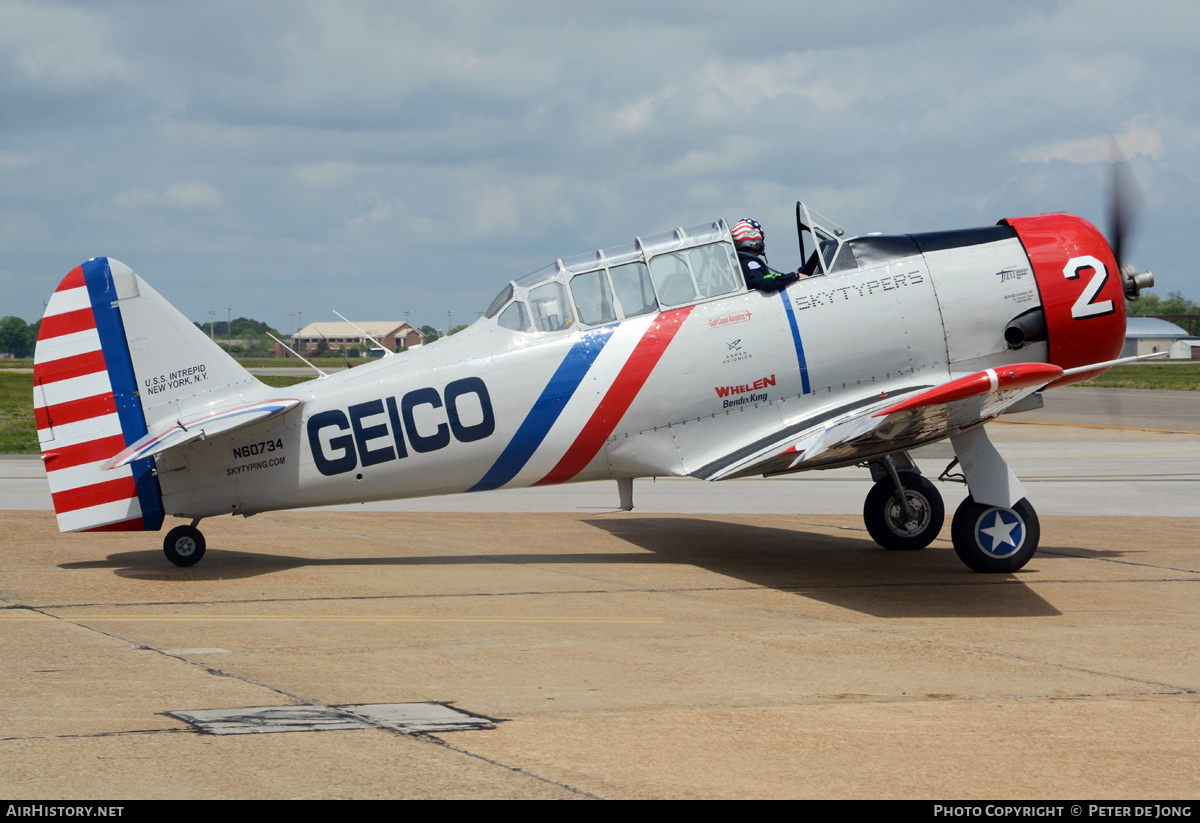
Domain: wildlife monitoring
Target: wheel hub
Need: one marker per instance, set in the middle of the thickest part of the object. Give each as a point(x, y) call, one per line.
point(999, 532)
point(908, 526)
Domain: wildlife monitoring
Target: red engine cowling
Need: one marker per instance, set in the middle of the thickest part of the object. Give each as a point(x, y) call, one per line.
point(1081, 290)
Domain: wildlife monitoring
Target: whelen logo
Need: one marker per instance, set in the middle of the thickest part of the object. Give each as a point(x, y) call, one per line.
point(762, 383)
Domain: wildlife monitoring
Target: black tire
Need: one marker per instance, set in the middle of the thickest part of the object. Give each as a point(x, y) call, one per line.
point(884, 514)
point(993, 539)
point(184, 545)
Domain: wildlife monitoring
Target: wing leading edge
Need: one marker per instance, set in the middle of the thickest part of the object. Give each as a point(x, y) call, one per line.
point(880, 425)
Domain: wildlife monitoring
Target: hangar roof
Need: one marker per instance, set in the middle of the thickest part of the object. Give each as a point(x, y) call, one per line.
point(1152, 327)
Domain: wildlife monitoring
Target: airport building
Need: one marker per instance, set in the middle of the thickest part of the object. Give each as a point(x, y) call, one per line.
point(1147, 335)
point(394, 335)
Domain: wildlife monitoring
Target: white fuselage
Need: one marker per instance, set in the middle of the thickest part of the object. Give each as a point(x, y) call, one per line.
point(657, 394)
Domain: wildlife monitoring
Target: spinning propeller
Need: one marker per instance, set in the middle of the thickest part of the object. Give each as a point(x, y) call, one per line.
point(1123, 202)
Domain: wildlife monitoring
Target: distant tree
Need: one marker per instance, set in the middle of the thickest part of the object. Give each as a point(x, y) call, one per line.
point(457, 329)
point(430, 333)
point(322, 346)
point(242, 327)
point(17, 337)
point(254, 332)
point(354, 351)
point(1151, 305)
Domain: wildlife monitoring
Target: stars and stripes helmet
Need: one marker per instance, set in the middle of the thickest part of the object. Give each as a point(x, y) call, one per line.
point(748, 234)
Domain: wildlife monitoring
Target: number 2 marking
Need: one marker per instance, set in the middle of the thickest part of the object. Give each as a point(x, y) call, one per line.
point(1084, 307)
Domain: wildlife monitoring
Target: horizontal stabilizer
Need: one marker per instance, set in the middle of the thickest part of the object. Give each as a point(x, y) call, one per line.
point(202, 428)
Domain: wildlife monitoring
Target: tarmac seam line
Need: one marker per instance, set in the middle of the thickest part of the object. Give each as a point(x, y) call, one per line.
point(908, 584)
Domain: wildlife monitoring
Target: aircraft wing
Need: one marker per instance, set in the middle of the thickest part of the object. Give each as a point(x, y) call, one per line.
point(883, 423)
point(201, 427)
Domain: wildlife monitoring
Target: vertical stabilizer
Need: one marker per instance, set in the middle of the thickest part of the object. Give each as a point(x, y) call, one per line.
point(113, 362)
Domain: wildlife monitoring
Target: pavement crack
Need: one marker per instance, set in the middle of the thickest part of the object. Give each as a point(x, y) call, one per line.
point(514, 769)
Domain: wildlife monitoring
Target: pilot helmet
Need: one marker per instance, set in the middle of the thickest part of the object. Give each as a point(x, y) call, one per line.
point(748, 235)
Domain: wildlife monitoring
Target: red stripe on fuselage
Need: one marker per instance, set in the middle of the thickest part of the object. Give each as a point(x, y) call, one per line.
point(620, 396)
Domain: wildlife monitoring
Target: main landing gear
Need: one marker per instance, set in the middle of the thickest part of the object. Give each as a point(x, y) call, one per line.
point(904, 511)
point(184, 545)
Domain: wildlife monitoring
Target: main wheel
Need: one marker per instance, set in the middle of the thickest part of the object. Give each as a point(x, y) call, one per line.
point(993, 538)
point(890, 527)
point(184, 545)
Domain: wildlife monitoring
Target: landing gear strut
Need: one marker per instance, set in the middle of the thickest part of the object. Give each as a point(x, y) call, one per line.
point(184, 545)
point(903, 511)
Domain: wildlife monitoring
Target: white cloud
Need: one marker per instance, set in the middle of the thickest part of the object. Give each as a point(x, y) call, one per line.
point(57, 48)
point(193, 196)
point(1134, 141)
point(327, 173)
point(637, 116)
point(199, 196)
point(13, 160)
point(379, 212)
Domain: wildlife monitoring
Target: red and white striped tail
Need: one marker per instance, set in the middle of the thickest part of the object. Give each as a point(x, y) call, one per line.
point(88, 408)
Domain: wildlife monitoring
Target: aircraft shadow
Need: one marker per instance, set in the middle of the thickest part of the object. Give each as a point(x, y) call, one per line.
point(850, 572)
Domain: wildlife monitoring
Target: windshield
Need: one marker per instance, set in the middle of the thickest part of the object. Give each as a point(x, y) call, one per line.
point(822, 243)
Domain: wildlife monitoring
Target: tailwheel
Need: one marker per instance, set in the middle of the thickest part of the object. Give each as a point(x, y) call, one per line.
point(897, 526)
point(993, 538)
point(184, 545)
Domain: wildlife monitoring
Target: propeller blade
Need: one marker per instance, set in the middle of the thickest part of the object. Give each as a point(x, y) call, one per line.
point(1124, 202)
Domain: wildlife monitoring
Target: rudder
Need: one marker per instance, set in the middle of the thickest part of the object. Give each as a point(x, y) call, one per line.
point(103, 378)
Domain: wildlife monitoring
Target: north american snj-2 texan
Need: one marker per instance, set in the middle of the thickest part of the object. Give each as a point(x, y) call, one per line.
point(649, 359)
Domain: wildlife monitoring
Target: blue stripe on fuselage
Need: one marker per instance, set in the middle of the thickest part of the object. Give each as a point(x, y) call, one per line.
point(545, 411)
point(791, 316)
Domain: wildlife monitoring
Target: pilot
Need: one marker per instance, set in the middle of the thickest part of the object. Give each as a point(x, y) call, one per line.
point(748, 239)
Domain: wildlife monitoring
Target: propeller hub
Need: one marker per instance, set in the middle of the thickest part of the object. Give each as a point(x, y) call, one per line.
point(1134, 281)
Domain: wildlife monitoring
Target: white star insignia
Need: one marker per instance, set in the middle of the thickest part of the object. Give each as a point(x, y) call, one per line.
point(1000, 532)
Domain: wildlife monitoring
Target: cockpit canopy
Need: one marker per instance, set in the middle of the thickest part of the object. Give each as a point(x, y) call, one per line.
point(654, 273)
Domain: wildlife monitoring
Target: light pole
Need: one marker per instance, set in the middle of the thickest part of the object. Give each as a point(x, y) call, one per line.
point(212, 324)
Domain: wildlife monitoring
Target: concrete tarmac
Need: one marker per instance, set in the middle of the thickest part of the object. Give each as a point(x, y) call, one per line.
point(711, 649)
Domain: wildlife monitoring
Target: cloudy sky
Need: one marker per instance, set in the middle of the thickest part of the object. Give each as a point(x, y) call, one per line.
point(384, 157)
